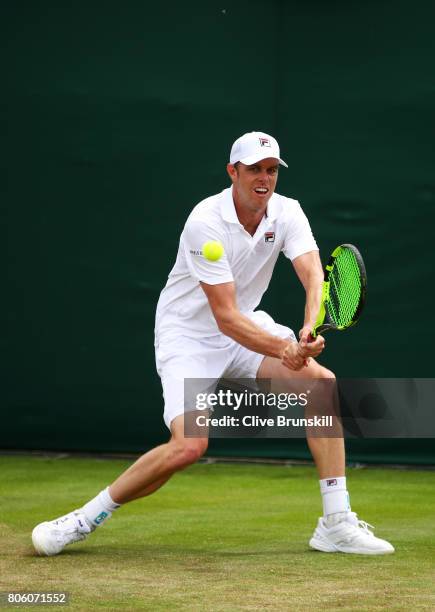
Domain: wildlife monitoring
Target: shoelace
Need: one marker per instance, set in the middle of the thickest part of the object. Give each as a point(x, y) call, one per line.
point(365, 527)
point(77, 529)
point(351, 530)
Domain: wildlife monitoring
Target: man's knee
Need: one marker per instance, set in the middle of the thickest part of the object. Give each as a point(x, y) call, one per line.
point(187, 451)
point(325, 373)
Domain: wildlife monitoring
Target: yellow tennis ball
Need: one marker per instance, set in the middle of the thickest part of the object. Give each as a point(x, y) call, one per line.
point(213, 250)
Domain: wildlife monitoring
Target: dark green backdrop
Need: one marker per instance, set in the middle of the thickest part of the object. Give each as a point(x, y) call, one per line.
point(118, 118)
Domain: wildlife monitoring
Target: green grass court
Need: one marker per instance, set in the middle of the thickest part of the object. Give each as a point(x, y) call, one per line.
point(218, 537)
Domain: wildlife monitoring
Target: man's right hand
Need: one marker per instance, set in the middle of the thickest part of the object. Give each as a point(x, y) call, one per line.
point(293, 358)
point(296, 355)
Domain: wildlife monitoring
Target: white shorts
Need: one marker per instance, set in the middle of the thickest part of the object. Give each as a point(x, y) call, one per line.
point(181, 357)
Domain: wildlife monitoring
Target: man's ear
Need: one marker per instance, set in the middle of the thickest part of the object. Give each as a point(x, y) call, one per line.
point(232, 172)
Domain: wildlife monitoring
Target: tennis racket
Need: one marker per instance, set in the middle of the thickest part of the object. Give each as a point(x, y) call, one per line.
point(343, 291)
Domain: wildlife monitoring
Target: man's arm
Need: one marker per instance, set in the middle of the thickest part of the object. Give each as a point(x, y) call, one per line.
point(232, 323)
point(310, 272)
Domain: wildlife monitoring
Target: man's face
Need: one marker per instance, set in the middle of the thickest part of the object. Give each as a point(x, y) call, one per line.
point(254, 185)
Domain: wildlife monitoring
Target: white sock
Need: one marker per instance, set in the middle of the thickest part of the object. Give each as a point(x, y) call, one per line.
point(335, 497)
point(99, 510)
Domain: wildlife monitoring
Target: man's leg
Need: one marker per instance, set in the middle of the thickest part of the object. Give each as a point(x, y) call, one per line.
point(154, 468)
point(328, 453)
point(339, 530)
point(144, 477)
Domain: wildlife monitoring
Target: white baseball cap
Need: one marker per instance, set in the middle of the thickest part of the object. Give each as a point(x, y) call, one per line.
point(253, 147)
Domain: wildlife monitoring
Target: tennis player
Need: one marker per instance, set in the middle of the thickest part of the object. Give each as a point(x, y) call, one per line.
point(207, 327)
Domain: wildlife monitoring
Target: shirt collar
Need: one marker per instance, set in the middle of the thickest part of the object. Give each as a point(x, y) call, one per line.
point(273, 207)
point(227, 207)
point(229, 210)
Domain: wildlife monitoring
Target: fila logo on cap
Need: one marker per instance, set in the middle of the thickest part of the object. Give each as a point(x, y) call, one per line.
point(251, 148)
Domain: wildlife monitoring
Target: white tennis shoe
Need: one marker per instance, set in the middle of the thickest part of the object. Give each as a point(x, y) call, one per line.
point(348, 535)
point(51, 537)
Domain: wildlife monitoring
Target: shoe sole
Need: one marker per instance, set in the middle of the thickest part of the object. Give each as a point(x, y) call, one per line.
point(322, 546)
point(317, 544)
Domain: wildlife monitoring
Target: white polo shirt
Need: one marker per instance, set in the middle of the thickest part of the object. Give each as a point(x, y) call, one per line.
point(248, 260)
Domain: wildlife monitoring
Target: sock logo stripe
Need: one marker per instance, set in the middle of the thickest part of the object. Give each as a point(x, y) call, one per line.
point(100, 518)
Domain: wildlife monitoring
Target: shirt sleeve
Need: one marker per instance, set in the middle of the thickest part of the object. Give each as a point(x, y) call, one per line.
point(195, 235)
point(299, 238)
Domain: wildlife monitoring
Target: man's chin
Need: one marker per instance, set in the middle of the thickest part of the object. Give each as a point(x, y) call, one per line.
point(261, 201)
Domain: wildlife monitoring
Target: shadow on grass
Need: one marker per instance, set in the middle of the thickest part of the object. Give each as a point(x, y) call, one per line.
point(164, 552)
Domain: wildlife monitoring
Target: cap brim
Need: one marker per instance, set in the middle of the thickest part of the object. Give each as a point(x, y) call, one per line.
point(253, 159)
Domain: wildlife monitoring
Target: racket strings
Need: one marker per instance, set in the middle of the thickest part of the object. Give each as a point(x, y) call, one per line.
point(344, 289)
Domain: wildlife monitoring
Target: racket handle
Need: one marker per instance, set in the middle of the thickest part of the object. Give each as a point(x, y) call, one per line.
point(310, 338)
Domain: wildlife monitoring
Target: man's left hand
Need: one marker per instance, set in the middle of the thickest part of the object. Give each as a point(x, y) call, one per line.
point(311, 348)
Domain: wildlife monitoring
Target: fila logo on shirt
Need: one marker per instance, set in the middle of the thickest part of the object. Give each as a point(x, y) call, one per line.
point(269, 237)
point(264, 142)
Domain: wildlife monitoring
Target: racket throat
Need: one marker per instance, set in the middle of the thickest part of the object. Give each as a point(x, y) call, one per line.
point(322, 312)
